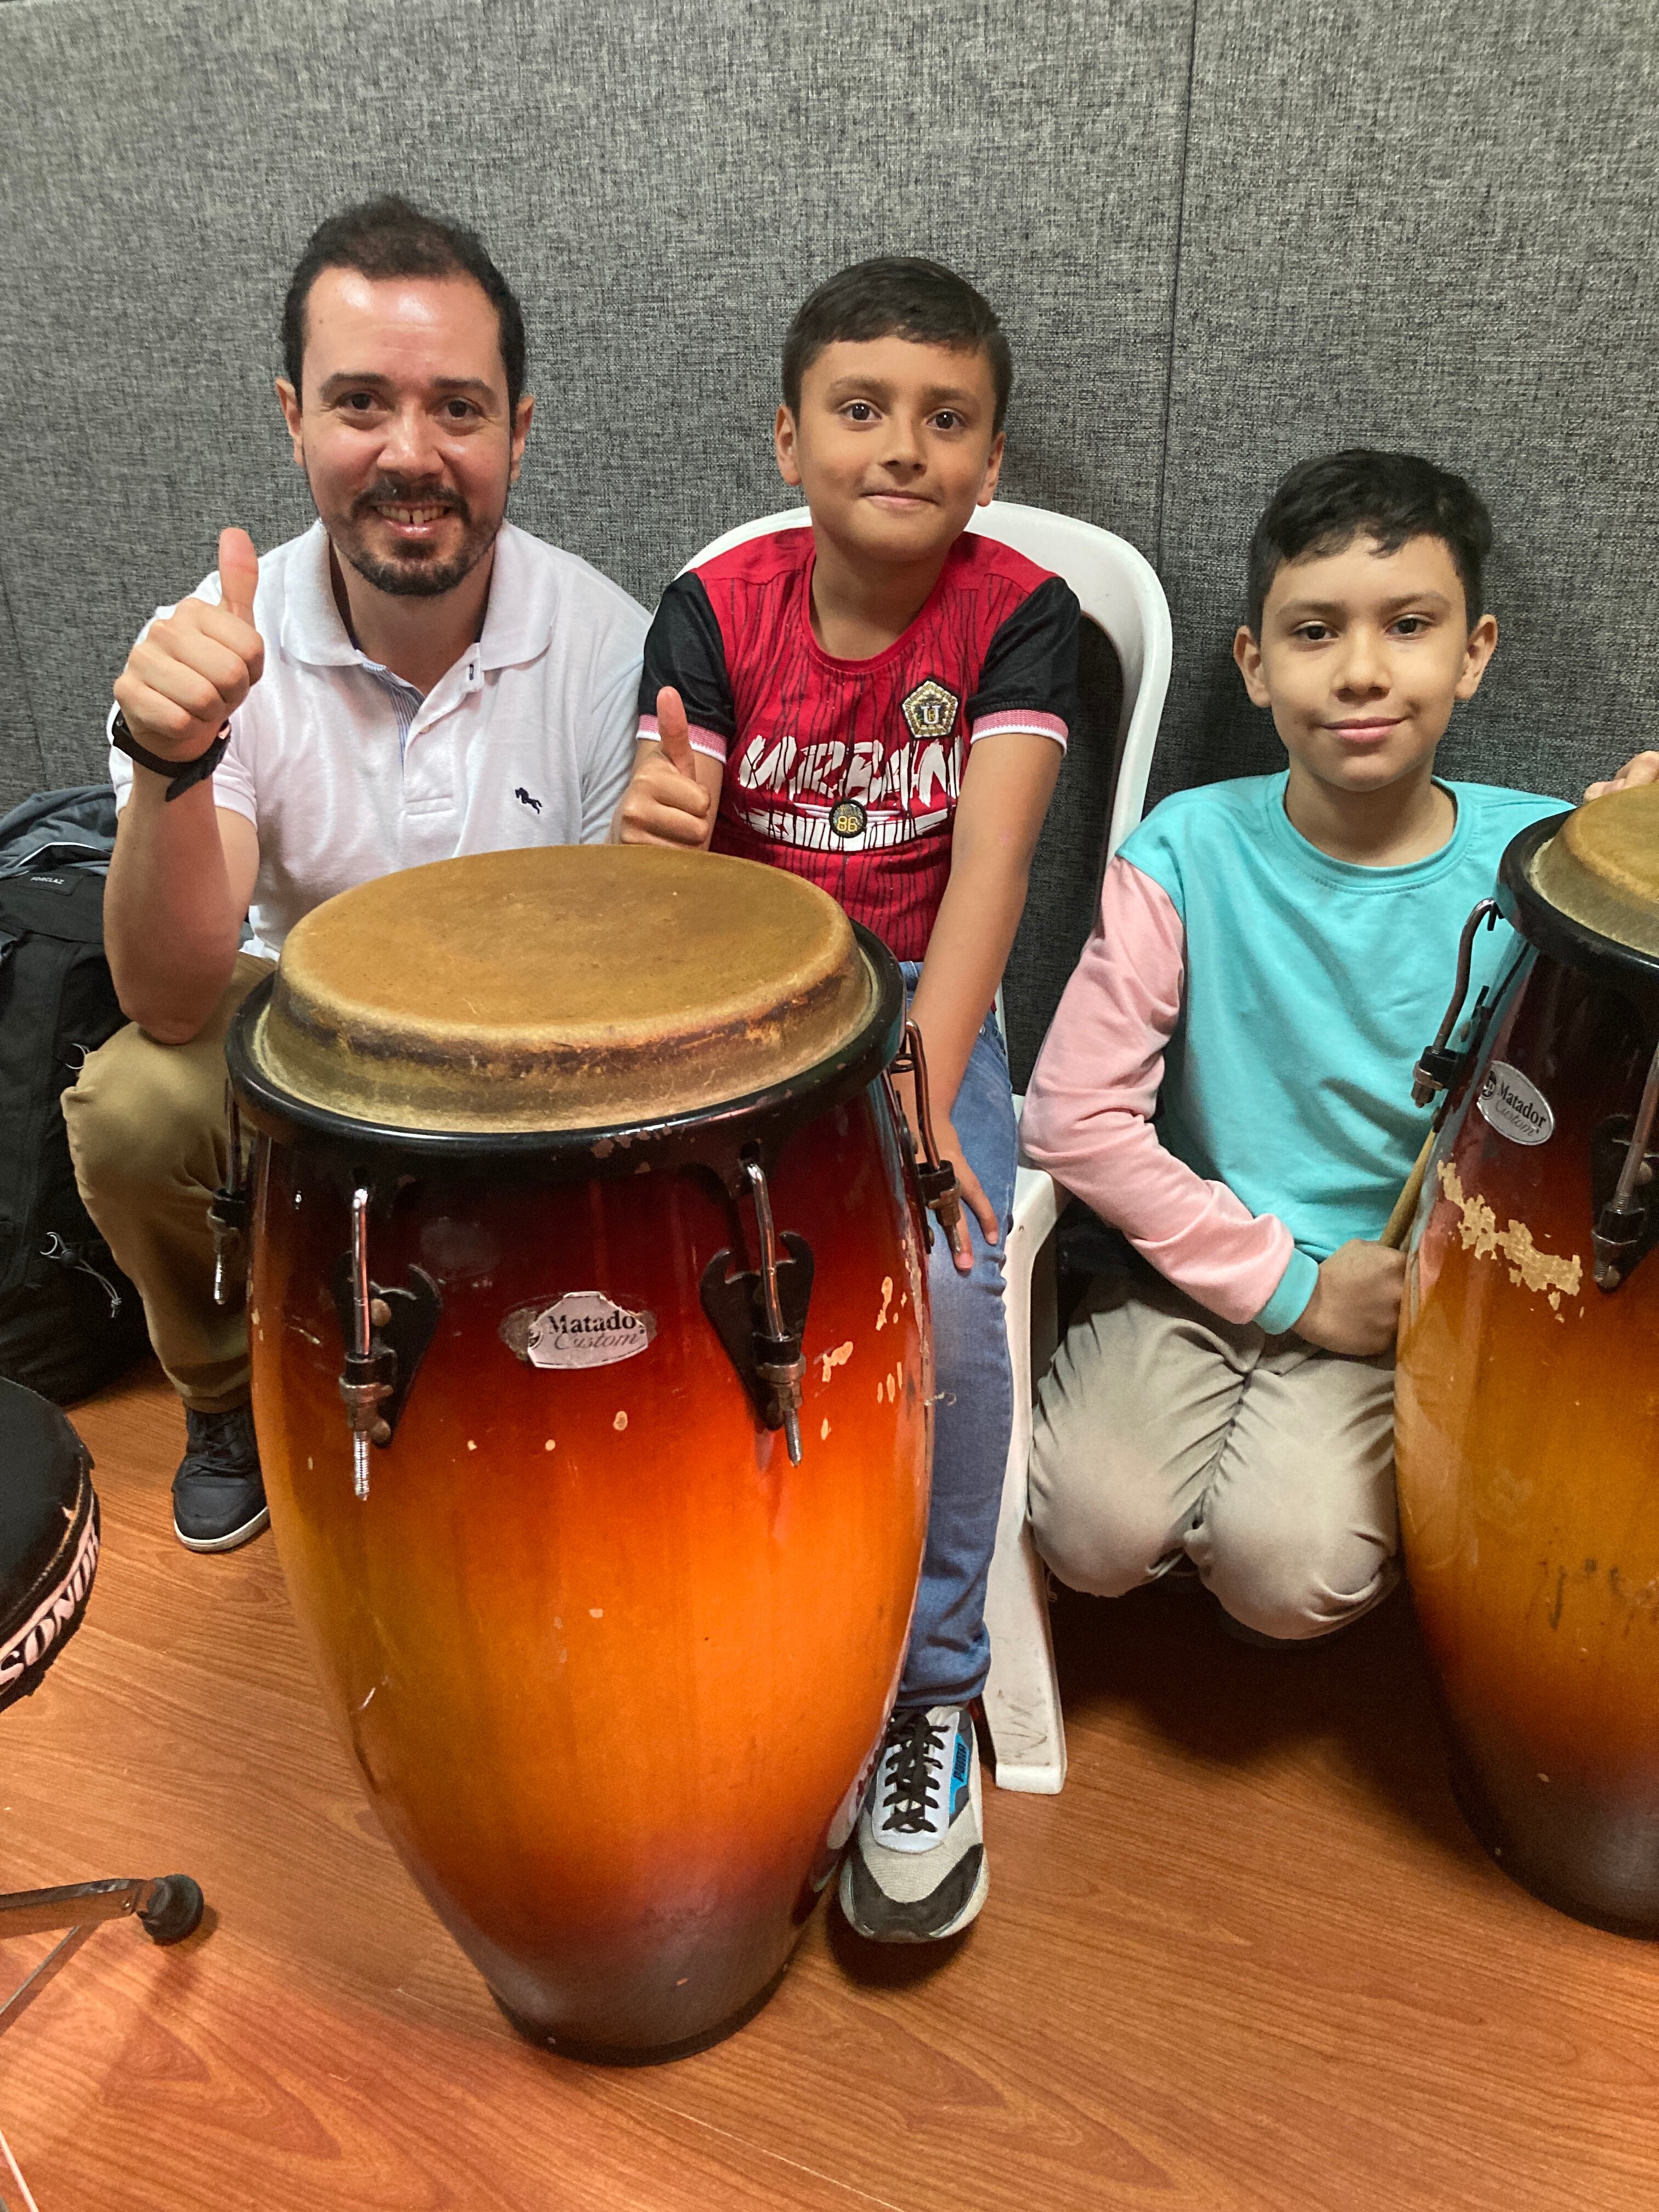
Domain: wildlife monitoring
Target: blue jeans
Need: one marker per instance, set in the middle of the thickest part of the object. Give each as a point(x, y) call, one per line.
point(950, 1652)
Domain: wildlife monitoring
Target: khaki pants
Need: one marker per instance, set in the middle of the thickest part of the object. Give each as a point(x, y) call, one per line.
point(148, 1138)
point(1162, 1429)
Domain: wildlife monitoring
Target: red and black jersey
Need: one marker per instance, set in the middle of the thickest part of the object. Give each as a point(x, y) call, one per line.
point(847, 772)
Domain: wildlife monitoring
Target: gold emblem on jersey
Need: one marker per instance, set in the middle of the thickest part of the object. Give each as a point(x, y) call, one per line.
point(846, 818)
point(931, 710)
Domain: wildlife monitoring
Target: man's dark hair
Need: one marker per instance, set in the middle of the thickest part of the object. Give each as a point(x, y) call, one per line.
point(387, 237)
point(1324, 504)
point(898, 296)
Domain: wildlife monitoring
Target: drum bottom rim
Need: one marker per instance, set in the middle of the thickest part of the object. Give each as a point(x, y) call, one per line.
point(1512, 1860)
point(656, 2054)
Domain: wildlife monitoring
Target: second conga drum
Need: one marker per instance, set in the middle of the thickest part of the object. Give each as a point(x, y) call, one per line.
point(592, 1385)
point(1527, 1394)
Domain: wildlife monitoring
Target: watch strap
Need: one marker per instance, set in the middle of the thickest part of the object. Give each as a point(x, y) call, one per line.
point(180, 775)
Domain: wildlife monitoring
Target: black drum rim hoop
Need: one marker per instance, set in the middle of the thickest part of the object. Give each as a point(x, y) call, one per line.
point(1604, 959)
point(614, 1148)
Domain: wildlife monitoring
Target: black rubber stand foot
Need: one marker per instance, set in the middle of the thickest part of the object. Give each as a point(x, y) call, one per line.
point(177, 1911)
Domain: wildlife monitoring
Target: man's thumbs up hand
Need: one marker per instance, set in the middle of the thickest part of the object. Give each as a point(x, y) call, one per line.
point(666, 803)
point(187, 675)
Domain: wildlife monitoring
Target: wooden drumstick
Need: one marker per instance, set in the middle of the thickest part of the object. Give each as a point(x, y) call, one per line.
point(1404, 1207)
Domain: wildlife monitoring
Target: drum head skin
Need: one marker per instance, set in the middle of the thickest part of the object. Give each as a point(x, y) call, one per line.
point(561, 988)
point(1601, 867)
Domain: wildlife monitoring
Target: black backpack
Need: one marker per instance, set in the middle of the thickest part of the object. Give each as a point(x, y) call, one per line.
point(69, 1320)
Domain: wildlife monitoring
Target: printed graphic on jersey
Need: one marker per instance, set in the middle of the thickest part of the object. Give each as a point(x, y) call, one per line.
point(803, 794)
point(931, 710)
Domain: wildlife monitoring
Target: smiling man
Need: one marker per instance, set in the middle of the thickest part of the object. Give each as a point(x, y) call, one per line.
point(413, 678)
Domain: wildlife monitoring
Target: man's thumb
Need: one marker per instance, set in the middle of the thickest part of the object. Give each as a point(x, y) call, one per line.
point(673, 732)
point(239, 572)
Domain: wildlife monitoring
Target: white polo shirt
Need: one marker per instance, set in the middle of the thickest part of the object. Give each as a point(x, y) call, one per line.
point(347, 772)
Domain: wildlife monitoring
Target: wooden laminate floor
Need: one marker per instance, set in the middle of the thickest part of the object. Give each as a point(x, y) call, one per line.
point(1249, 1961)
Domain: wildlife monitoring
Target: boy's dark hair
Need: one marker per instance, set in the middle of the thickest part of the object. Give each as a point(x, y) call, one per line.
point(1324, 504)
point(387, 237)
point(898, 296)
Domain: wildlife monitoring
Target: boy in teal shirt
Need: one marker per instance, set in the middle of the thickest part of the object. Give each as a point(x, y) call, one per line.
point(1272, 955)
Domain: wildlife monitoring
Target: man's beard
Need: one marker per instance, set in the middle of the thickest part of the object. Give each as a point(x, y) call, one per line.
point(415, 574)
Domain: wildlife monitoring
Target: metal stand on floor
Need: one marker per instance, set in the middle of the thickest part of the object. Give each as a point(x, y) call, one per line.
point(49, 1540)
point(169, 1907)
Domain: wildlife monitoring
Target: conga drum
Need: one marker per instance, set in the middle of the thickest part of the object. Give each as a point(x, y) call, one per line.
point(592, 1383)
point(48, 1537)
point(1528, 1398)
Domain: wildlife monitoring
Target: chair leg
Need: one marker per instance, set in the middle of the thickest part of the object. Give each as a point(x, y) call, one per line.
point(1022, 1697)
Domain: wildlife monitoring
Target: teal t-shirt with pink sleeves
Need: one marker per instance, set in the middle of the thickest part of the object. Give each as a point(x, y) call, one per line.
point(1311, 987)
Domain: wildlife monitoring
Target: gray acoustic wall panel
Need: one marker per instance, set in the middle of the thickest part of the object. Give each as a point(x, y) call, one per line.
point(21, 770)
point(661, 182)
point(1428, 226)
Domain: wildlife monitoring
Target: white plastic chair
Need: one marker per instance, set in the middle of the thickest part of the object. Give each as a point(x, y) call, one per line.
point(1116, 587)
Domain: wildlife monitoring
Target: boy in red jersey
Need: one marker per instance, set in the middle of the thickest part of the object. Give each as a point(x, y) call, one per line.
point(880, 702)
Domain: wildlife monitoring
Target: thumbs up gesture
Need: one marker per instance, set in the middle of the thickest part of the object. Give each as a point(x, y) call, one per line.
point(186, 675)
point(666, 803)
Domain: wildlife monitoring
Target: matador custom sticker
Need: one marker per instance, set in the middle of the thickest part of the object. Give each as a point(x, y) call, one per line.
point(583, 1329)
point(1518, 1110)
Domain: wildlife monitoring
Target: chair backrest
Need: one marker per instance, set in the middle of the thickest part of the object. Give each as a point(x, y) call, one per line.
point(1118, 588)
point(1099, 800)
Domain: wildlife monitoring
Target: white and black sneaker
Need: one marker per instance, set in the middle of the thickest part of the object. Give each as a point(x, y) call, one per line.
point(219, 1493)
point(916, 1868)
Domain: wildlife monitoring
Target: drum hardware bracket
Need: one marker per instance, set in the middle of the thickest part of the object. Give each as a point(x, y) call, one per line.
point(1441, 1068)
point(228, 1211)
point(760, 1316)
point(386, 1331)
point(935, 1178)
point(1622, 1169)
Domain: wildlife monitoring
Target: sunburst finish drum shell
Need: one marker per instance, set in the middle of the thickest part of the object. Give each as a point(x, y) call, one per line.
point(609, 1667)
point(1528, 1408)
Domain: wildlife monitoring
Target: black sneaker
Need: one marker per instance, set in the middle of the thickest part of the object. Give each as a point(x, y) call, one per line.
point(916, 1869)
point(218, 1493)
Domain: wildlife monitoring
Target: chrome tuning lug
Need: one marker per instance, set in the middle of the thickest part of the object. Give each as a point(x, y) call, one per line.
point(1440, 1068)
point(371, 1367)
point(778, 1360)
point(227, 1213)
point(935, 1177)
point(1628, 1215)
point(760, 1314)
point(387, 1331)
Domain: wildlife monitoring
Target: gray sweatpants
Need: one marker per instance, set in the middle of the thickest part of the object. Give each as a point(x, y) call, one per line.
point(1161, 1429)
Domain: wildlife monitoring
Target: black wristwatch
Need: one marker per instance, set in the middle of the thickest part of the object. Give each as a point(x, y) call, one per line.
point(182, 775)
